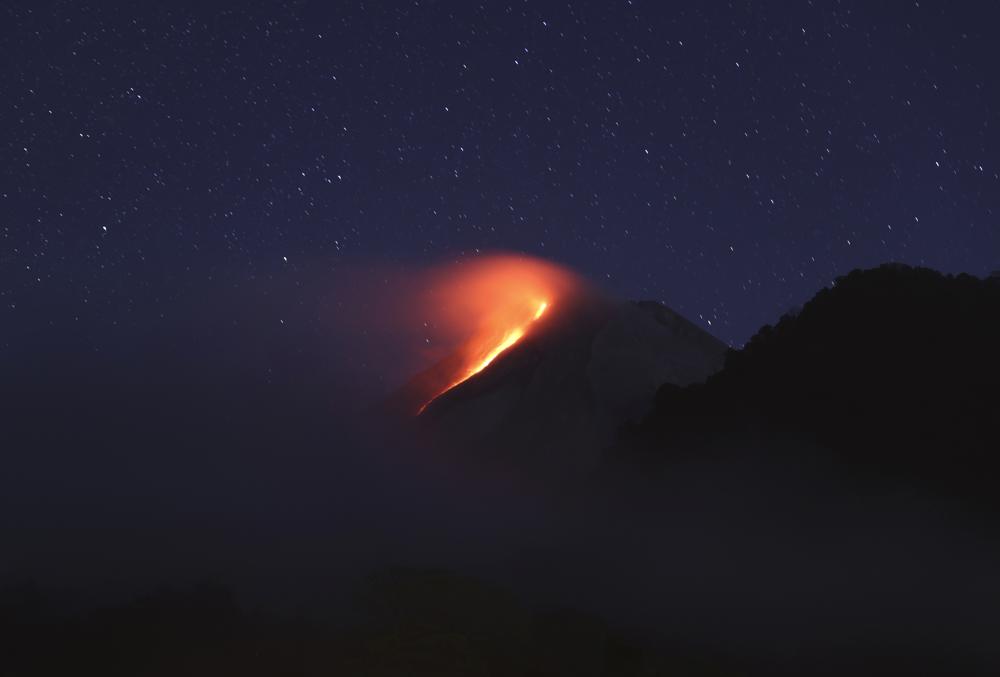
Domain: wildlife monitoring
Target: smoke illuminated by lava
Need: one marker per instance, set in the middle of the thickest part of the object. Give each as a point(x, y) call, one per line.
point(443, 324)
point(481, 308)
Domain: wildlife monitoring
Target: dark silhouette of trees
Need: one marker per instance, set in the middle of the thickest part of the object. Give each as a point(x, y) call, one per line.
point(412, 622)
point(896, 370)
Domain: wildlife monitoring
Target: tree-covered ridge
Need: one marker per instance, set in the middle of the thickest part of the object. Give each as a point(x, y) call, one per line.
point(895, 369)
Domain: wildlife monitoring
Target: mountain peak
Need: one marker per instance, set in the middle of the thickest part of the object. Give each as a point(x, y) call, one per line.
point(558, 396)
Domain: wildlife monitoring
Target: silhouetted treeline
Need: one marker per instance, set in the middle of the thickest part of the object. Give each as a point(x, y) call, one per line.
point(408, 622)
point(894, 370)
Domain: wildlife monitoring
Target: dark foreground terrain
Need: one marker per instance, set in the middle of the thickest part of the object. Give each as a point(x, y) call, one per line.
point(405, 622)
point(823, 505)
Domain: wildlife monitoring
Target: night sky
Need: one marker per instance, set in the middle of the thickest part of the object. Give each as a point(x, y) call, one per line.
point(728, 159)
point(217, 227)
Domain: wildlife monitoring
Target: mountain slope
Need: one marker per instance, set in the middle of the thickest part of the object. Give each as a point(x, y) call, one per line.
point(557, 397)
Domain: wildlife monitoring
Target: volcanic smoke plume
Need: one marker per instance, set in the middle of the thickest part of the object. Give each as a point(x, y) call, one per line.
point(476, 310)
point(540, 369)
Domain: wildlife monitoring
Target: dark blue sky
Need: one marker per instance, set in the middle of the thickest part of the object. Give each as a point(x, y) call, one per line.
point(728, 159)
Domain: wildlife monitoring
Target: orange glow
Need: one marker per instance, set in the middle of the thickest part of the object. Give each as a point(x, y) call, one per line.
point(488, 305)
point(510, 338)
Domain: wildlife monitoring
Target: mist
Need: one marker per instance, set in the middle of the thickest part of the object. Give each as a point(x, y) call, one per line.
point(251, 449)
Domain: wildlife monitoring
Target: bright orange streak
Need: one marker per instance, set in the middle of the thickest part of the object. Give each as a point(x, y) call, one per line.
point(511, 337)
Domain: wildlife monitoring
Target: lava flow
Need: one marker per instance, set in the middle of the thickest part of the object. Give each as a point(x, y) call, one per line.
point(487, 305)
point(483, 359)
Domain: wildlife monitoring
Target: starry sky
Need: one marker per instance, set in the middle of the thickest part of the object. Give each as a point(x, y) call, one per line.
point(726, 158)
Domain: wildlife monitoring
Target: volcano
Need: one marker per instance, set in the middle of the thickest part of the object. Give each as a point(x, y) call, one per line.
point(557, 386)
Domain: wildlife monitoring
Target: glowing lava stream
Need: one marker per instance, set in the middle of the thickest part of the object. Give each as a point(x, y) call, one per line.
point(511, 337)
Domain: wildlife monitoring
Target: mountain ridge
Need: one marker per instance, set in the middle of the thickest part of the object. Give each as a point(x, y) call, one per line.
point(894, 369)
